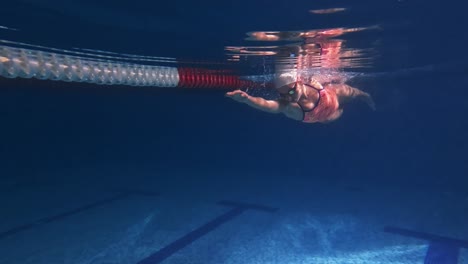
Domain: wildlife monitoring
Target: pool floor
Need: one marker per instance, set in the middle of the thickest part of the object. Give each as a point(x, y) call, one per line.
point(182, 221)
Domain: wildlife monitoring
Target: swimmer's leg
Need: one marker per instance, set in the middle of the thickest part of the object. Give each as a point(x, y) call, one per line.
point(335, 116)
point(347, 93)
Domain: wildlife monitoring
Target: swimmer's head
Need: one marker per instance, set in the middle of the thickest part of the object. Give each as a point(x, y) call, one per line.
point(285, 79)
point(286, 85)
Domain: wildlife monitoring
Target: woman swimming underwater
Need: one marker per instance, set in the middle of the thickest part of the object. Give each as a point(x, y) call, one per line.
point(306, 101)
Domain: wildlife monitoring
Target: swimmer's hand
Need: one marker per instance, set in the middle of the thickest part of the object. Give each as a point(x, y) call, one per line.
point(316, 84)
point(238, 95)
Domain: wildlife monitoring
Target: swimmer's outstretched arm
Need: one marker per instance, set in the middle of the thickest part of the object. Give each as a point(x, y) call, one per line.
point(270, 106)
point(291, 110)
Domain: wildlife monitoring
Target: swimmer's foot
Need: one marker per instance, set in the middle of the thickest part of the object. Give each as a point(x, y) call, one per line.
point(369, 101)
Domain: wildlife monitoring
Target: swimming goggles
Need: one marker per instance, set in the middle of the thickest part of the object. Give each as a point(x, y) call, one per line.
point(292, 90)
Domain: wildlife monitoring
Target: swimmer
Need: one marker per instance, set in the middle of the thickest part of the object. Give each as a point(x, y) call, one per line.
point(309, 102)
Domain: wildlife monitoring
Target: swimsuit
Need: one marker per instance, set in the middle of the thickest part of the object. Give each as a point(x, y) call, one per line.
point(324, 109)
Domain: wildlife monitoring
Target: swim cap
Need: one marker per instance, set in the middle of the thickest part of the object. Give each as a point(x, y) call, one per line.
point(285, 78)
